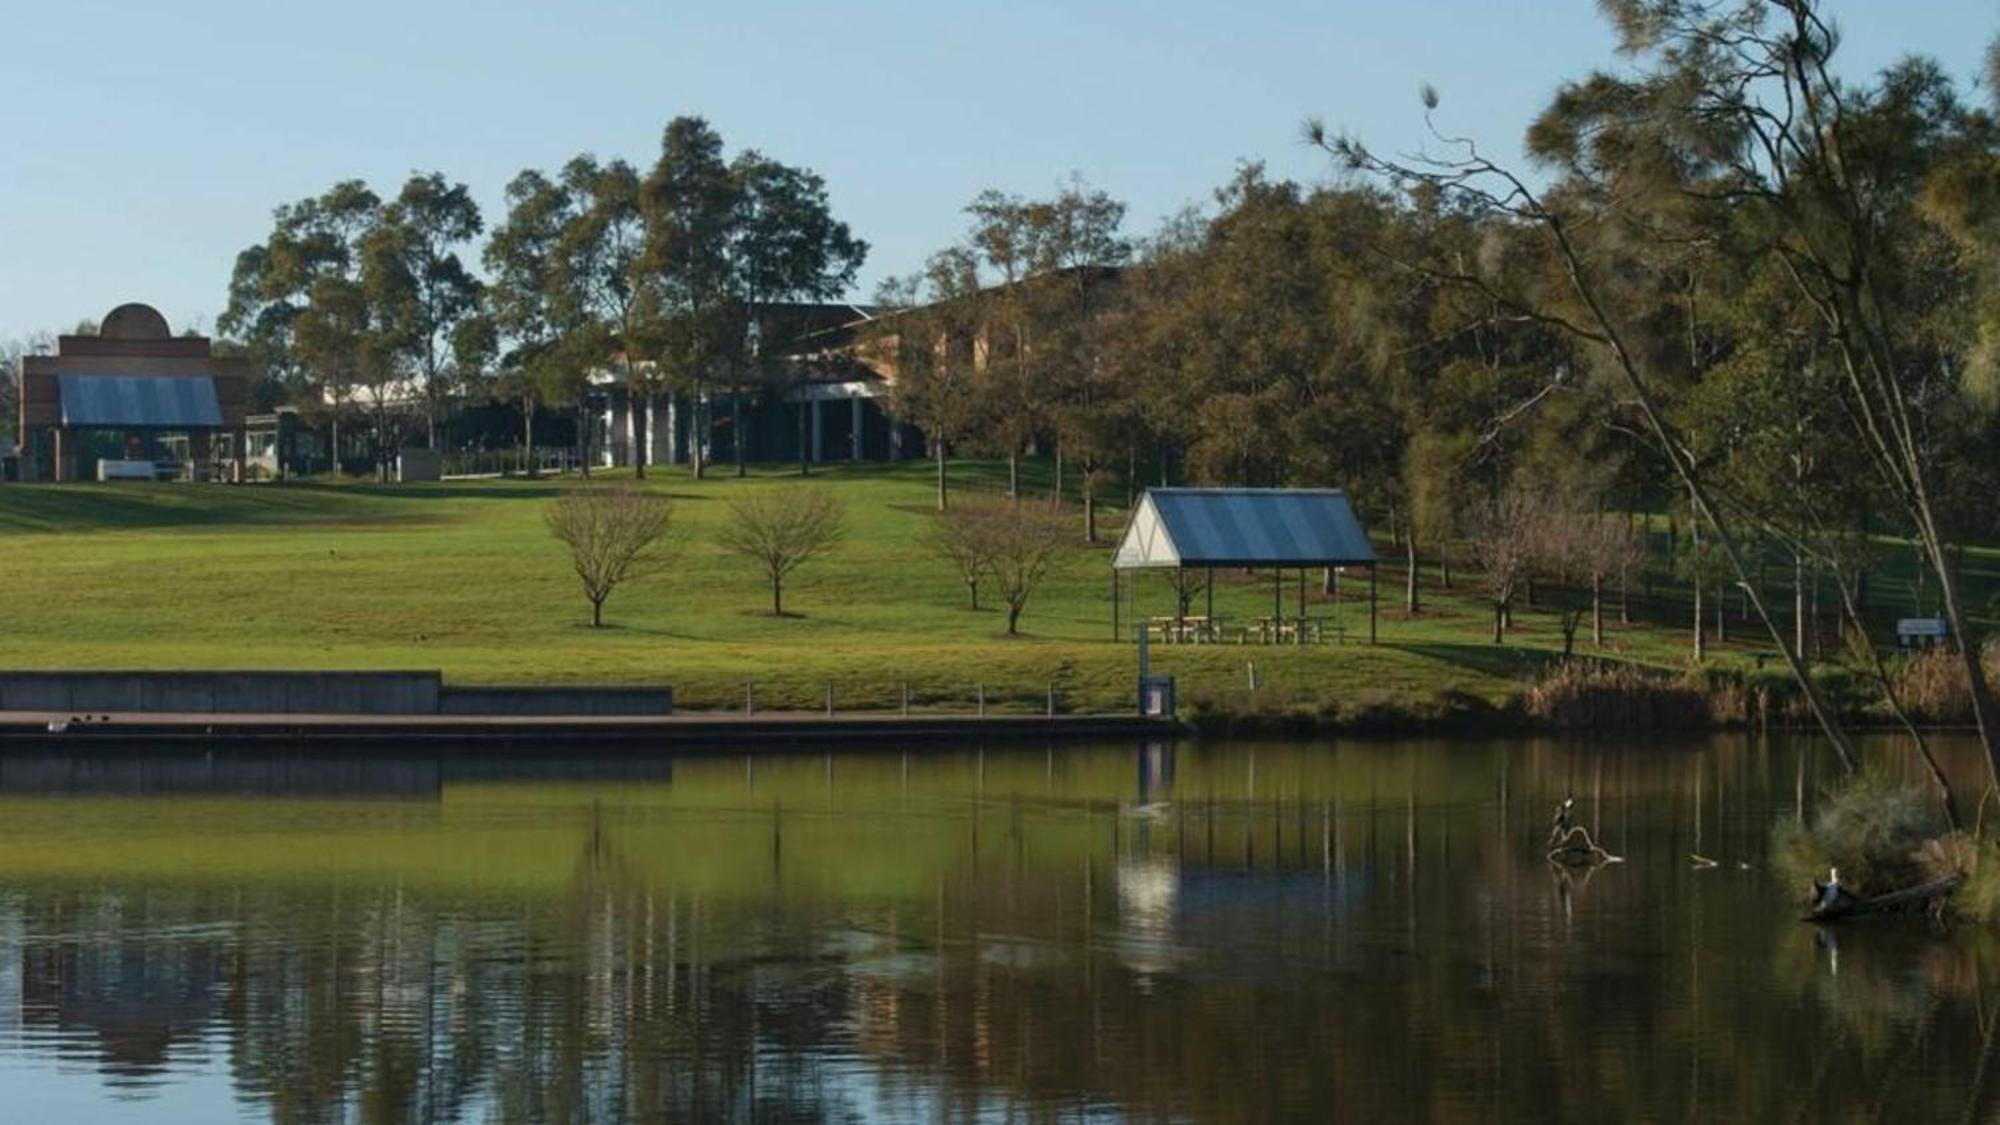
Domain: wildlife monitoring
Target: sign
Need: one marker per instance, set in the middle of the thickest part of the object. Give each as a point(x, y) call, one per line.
point(1921, 631)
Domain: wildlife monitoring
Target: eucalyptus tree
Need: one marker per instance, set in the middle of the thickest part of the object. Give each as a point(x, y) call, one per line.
point(419, 285)
point(690, 204)
point(525, 302)
point(1078, 243)
point(601, 288)
point(1742, 119)
point(1728, 127)
point(298, 299)
point(784, 245)
point(931, 327)
point(1005, 241)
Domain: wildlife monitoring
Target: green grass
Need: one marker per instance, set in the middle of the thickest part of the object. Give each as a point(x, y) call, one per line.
point(462, 576)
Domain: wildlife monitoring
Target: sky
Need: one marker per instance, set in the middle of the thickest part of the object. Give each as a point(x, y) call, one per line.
point(143, 144)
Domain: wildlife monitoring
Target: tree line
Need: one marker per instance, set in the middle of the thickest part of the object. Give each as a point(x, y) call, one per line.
point(356, 303)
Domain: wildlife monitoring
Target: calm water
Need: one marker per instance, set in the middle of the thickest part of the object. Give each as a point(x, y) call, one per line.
point(1214, 933)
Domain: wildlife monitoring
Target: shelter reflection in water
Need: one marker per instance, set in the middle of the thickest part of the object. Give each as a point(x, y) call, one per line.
point(1221, 932)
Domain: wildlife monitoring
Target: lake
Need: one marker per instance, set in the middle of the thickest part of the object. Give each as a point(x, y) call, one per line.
point(1208, 932)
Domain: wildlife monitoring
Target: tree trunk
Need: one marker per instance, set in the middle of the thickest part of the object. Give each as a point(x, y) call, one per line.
point(736, 430)
point(1694, 541)
point(777, 597)
point(1056, 498)
point(943, 494)
point(973, 588)
point(805, 439)
point(1014, 475)
point(1722, 617)
point(639, 436)
point(1412, 600)
point(597, 613)
point(1013, 619)
point(698, 435)
point(1597, 610)
point(528, 437)
point(583, 439)
point(1799, 607)
point(1624, 597)
point(1444, 570)
point(1089, 507)
point(1499, 622)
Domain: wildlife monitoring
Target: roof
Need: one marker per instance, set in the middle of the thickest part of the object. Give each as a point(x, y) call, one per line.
point(1182, 527)
point(140, 400)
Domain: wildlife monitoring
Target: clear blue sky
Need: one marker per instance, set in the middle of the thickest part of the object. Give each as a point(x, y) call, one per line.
point(145, 144)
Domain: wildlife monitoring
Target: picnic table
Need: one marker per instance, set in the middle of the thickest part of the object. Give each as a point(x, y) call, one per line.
point(1189, 629)
point(1308, 629)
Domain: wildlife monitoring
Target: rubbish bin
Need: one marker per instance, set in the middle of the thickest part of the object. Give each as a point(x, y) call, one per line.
point(1156, 697)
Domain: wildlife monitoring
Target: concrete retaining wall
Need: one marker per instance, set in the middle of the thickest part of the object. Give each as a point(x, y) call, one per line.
point(321, 693)
point(557, 701)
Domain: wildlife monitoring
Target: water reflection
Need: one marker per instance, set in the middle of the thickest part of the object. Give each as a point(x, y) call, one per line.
point(1214, 933)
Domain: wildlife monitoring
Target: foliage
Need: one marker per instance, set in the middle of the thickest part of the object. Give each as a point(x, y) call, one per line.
point(967, 537)
point(1026, 541)
point(782, 530)
point(1871, 830)
point(614, 535)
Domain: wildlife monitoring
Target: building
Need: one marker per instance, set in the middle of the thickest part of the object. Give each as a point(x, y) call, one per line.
point(134, 400)
point(829, 402)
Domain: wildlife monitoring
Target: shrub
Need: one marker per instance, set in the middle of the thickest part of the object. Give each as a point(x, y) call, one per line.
point(1872, 829)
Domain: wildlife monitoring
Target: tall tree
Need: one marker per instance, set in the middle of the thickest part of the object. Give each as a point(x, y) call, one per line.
point(526, 301)
point(690, 204)
point(602, 290)
point(299, 295)
point(931, 327)
point(784, 245)
point(423, 291)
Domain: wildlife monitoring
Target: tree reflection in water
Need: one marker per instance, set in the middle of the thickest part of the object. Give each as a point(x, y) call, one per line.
point(1248, 933)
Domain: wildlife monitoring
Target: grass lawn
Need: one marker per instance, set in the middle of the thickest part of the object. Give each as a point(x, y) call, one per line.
point(462, 576)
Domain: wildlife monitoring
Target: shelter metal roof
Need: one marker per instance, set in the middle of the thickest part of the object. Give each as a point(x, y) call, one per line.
point(1181, 527)
point(140, 400)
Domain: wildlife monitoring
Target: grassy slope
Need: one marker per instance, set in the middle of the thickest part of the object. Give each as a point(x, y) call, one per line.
point(462, 576)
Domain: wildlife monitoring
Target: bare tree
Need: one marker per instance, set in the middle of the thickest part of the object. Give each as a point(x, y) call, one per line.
point(1504, 537)
point(966, 537)
point(782, 530)
point(614, 535)
point(1026, 541)
point(1590, 549)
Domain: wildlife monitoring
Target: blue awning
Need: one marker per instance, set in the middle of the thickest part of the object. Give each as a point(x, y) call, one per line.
point(159, 401)
point(1253, 527)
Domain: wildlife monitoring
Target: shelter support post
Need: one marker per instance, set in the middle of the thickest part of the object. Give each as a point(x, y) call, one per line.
point(1210, 587)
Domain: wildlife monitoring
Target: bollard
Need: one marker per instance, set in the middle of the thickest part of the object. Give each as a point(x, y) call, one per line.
point(749, 698)
point(1052, 699)
point(829, 697)
point(1253, 675)
point(906, 699)
point(982, 700)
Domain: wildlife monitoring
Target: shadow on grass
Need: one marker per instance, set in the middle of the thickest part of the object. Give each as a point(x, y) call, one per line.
point(1486, 659)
